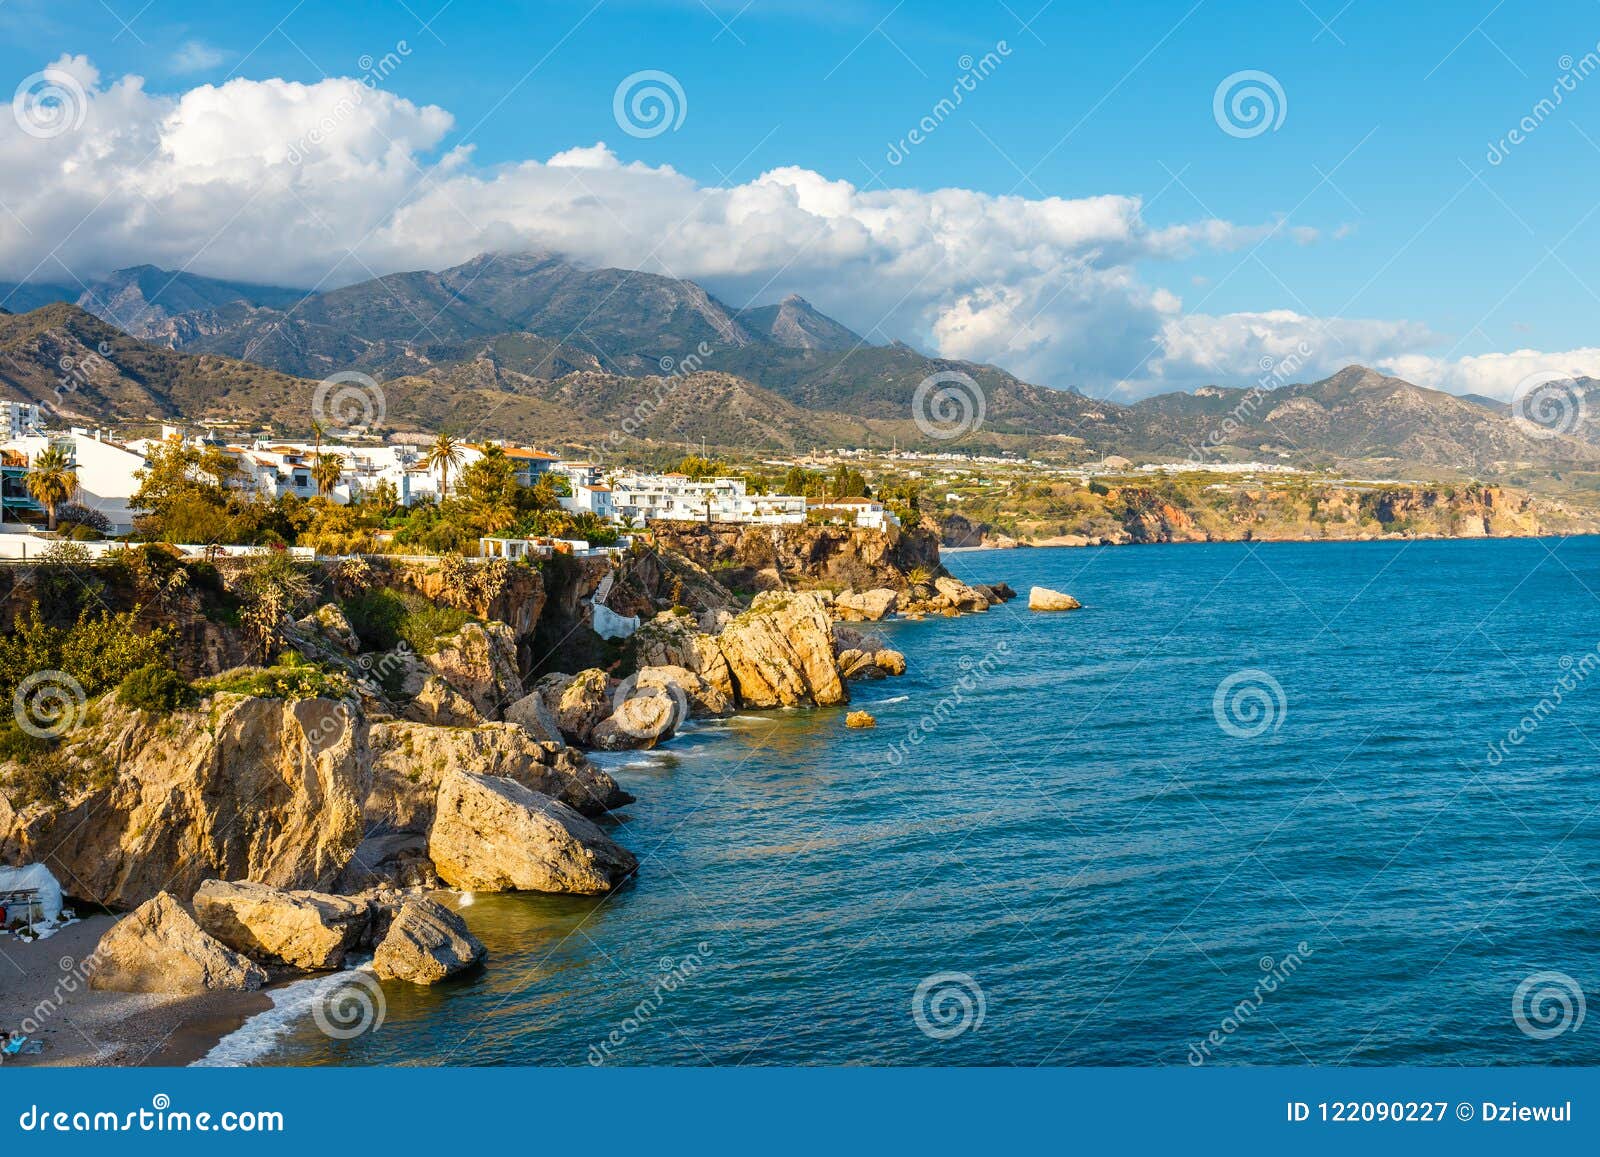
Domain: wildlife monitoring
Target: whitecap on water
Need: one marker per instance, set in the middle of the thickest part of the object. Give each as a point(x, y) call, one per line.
point(292, 1005)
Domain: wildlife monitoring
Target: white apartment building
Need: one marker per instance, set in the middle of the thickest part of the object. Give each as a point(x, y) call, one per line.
point(22, 418)
point(645, 498)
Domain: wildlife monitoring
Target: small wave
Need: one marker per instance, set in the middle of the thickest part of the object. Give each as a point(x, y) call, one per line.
point(896, 699)
point(257, 1037)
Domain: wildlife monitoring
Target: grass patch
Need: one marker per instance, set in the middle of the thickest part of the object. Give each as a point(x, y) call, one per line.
point(292, 677)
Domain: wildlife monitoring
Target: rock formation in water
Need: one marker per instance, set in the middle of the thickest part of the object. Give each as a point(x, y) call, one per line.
point(495, 835)
point(1045, 599)
point(426, 943)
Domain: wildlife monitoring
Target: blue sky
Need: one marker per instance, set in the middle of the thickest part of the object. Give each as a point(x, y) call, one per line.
point(1386, 206)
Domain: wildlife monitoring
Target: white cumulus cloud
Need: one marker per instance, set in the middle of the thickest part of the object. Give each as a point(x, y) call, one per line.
point(324, 184)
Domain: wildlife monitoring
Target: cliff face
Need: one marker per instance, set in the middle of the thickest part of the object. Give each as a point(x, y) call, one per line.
point(1295, 510)
point(758, 558)
point(257, 789)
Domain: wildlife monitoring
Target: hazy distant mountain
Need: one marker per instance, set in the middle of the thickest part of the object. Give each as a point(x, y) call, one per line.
point(1357, 416)
point(141, 300)
point(534, 339)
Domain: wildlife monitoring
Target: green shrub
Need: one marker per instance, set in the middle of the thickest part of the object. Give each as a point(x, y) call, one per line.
point(156, 688)
point(383, 619)
point(292, 678)
point(98, 651)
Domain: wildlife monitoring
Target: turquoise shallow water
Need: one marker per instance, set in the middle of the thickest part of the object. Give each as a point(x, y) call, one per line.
point(1115, 874)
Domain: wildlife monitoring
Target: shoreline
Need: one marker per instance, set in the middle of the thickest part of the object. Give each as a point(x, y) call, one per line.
point(1076, 544)
point(45, 985)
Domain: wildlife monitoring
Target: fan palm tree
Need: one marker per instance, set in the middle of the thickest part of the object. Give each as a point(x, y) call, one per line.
point(445, 455)
point(326, 472)
point(52, 480)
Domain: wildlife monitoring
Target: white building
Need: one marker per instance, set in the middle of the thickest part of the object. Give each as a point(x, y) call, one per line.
point(863, 512)
point(22, 418)
point(105, 469)
point(645, 498)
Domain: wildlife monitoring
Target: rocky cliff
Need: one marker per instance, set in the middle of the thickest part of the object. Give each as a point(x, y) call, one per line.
point(759, 558)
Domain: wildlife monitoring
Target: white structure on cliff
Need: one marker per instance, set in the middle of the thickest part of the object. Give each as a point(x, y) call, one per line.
point(864, 512)
point(677, 497)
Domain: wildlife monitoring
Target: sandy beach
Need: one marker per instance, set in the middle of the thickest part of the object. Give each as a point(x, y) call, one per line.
point(43, 984)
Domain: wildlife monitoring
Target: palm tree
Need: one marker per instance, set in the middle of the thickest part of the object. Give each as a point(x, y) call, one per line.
point(52, 480)
point(326, 472)
point(317, 430)
point(445, 455)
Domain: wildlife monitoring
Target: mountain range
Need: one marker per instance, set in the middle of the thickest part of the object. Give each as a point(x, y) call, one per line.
point(535, 347)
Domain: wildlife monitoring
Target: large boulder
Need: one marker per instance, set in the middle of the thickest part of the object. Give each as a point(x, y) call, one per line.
point(158, 947)
point(241, 788)
point(328, 625)
point(781, 652)
point(890, 662)
point(311, 931)
point(410, 760)
point(694, 692)
point(1045, 599)
point(854, 664)
point(426, 943)
point(439, 704)
point(534, 715)
point(865, 606)
point(584, 704)
point(674, 640)
point(494, 835)
point(479, 661)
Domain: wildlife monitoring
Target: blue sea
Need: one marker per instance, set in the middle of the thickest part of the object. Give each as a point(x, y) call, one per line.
point(1255, 804)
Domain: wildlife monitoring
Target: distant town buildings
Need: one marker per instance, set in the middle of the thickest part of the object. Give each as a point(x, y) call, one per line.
point(108, 471)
